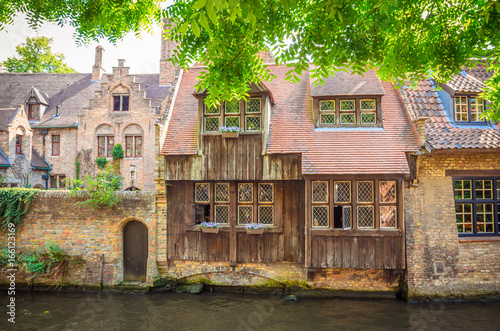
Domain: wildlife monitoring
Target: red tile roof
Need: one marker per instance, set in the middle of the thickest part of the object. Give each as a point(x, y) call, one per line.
point(424, 101)
point(324, 150)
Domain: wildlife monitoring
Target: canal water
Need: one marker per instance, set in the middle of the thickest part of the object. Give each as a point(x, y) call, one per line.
point(226, 311)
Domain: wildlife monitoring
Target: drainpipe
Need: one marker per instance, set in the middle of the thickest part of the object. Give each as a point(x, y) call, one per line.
point(44, 133)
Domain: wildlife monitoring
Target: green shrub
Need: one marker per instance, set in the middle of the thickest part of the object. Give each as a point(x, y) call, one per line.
point(14, 203)
point(101, 162)
point(117, 152)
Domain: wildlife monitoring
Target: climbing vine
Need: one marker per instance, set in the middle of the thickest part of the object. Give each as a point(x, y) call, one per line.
point(14, 203)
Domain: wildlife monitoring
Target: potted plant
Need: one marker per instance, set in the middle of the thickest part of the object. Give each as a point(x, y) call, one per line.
point(254, 228)
point(230, 131)
point(209, 227)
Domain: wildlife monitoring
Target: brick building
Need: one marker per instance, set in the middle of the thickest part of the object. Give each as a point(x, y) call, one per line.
point(452, 208)
point(72, 117)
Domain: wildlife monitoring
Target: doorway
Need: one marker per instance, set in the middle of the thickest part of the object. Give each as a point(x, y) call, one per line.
point(135, 251)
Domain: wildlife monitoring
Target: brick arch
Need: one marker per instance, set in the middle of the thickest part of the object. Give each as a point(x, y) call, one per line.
point(133, 128)
point(21, 130)
point(100, 129)
point(126, 220)
point(120, 84)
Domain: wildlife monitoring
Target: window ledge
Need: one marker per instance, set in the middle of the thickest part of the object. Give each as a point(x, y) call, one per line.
point(227, 228)
point(349, 128)
point(120, 112)
point(357, 233)
point(478, 239)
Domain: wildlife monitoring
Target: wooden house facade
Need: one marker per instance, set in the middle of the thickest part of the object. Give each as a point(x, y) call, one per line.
point(322, 169)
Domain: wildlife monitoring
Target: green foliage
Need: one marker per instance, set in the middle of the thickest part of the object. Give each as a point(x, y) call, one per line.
point(77, 168)
point(118, 152)
point(36, 56)
point(101, 189)
point(403, 40)
point(101, 162)
point(14, 203)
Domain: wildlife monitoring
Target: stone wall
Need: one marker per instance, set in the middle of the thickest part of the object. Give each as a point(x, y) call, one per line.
point(54, 216)
point(439, 263)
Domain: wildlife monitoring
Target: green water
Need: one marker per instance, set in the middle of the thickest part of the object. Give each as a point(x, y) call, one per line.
point(225, 311)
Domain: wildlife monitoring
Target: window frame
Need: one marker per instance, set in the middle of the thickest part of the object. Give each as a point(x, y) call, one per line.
point(19, 144)
point(242, 114)
point(108, 153)
point(234, 204)
point(30, 118)
point(469, 108)
point(352, 206)
point(121, 96)
point(58, 143)
point(59, 184)
point(134, 146)
point(474, 201)
point(358, 112)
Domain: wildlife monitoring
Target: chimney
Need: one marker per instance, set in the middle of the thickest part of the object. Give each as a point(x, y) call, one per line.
point(121, 69)
point(167, 69)
point(97, 69)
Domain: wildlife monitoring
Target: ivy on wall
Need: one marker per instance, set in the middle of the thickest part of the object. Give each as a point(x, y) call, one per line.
point(14, 203)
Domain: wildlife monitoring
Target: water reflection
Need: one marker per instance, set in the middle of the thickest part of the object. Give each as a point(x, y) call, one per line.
point(225, 311)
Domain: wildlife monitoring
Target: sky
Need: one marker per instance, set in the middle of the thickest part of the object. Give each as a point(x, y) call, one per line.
point(142, 55)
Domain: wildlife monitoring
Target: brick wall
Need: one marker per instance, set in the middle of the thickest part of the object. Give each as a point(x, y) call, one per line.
point(54, 216)
point(471, 268)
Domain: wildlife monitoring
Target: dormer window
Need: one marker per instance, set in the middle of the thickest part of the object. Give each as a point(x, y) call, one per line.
point(345, 111)
point(468, 108)
point(121, 102)
point(246, 115)
point(34, 112)
point(19, 144)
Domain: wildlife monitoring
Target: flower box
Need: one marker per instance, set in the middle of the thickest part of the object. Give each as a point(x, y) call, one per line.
point(210, 230)
point(230, 134)
point(255, 231)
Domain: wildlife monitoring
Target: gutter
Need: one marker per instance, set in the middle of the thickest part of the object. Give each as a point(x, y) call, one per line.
point(5, 165)
point(55, 127)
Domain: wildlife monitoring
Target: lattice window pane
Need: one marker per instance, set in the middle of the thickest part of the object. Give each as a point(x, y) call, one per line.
point(368, 105)
point(365, 191)
point(252, 123)
point(202, 192)
point(387, 191)
point(266, 192)
point(222, 192)
point(222, 214)
point(245, 215)
point(253, 105)
point(347, 217)
point(245, 192)
point(368, 118)
point(347, 119)
point(388, 216)
point(266, 214)
point(320, 216)
point(346, 105)
point(327, 105)
point(476, 108)
point(484, 189)
point(233, 121)
point(342, 191)
point(484, 214)
point(365, 217)
point(463, 214)
point(327, 118)
point(232, 107)
point(211, 124)
point(319, 191)
point(498, 188)
point(461, 109)
point(212, 110)
point(463, 189)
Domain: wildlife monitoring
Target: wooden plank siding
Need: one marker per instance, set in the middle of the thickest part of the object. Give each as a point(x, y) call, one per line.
point(284, 242)
point(233, 159)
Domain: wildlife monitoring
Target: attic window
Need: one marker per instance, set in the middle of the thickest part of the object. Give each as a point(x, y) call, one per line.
point(33, 112)
point(347, 111)
point(245, 115)
point(121, 102)
point(468, 108)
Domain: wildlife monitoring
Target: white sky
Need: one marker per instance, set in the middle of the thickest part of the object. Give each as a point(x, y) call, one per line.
point(142, 55)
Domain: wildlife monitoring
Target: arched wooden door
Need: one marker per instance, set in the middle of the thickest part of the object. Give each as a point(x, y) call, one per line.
point(135, 251)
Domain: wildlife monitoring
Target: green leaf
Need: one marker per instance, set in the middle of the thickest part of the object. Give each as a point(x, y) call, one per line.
point(199, 4)
point(183, 28)
point(211, 11)
point(204, 22)
point(196, 28)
